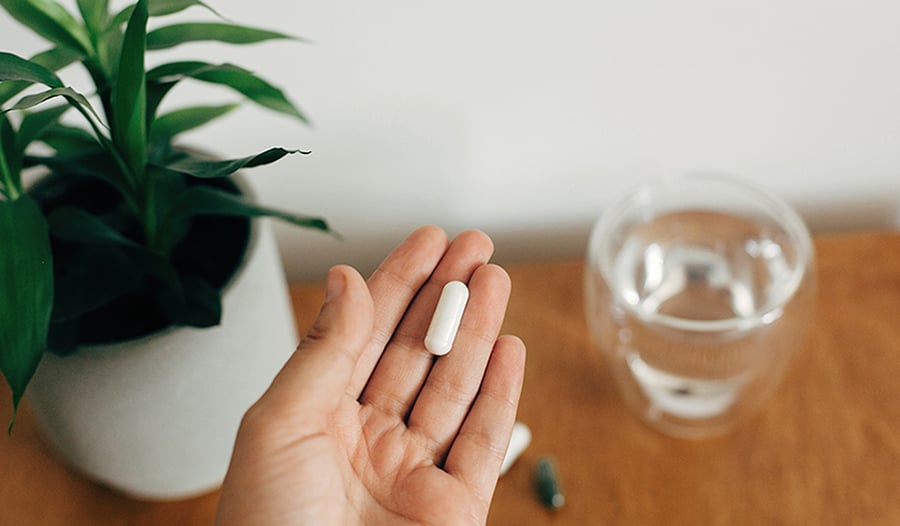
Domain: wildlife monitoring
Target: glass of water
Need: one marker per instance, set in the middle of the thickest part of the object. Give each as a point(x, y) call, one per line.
point(698, 290)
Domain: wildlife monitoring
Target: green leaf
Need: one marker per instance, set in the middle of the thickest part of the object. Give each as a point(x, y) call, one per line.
point(78, 226)
point(94, 13)
point(68, 139)
point(90, 161)
point(52, 59)
point(14, 67)
point(129, 96)
point(109, 48)
point(156, 91)
point(93, 277)
point(234, 77)
point(75, 99)
point(170, 186)
point(34, 125)
point(31, 128)
point(205, 200)
point(198, 305)
point(161, 79)
point(207, 169)
point(26, 279)
point(170, 7)
point(160, 8)
point(175, 71)
point(251, 86)
point(85, 159)
point(10, 181)
point(121, 17)
point(171, 124)
point(177, 34)
point(50, 20)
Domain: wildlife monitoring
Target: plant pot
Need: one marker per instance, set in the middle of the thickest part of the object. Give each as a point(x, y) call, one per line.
point(156, 417)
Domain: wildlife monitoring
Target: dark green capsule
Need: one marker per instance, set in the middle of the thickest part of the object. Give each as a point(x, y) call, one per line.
point(548, 484)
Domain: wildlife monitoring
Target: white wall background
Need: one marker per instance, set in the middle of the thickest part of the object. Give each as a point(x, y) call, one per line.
point(524, 117)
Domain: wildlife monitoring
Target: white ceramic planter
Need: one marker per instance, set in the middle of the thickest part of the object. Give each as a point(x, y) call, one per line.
point(156, 417)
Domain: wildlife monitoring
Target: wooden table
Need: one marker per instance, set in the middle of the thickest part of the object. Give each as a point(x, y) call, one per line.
point(825, 450)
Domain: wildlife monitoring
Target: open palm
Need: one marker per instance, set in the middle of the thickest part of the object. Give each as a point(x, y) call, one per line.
point(363, 425)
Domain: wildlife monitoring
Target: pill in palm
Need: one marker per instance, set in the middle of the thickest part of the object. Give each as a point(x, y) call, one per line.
point(447, 316)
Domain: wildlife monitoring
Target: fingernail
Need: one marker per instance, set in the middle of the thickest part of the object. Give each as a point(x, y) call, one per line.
point(334, 284)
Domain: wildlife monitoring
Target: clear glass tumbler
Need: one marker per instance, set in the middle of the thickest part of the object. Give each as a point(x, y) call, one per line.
point(698, 290)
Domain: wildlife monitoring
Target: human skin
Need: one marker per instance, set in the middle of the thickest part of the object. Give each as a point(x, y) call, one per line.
point(363, 425)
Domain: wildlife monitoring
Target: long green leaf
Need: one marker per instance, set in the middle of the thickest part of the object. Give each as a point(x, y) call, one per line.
point(170, 7)
point(204, 200)
point(109, 46)
point(177, 34)
point(199, 304)
point(10, 181)
point(253, 87)
point(170, 186)
point(160, 8)
point(26, 279)
point(156, 91)
point(171, 124)
point(78, 226)
point(121, 17)
point(75, 99)
point(14, 67)
point(34, 125)
point(7, 134)
point(208, 169)
point(52, 59)
point(50, 20)
point(175, 71)
point(129, 96)
point(31, 128)
point(234, 77)
point(68, 139)
point(94, 14)
point(161, 79)
point(93, 277)
point(89, 161)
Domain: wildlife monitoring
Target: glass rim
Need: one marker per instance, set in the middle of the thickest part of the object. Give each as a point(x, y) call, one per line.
point(774, 208)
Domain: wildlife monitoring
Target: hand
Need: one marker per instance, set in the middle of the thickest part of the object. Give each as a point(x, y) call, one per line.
point(363, 425)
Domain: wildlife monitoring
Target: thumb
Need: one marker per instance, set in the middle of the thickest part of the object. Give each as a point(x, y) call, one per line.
point(316, 376)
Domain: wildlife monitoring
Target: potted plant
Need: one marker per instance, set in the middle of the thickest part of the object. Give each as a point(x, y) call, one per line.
point(119, 261)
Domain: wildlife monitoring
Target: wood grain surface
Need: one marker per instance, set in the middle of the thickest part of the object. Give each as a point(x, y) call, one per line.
point(824, 450)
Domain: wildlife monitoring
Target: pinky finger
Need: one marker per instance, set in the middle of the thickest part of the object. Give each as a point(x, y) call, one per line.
point(479, 448)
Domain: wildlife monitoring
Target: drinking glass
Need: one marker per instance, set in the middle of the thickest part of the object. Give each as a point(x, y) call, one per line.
point(698, 290)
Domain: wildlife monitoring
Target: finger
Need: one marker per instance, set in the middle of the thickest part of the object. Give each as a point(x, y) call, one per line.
point(454, 380)
point(403, 367)
point(477, 452)
point(393, 286)
point(313, 381)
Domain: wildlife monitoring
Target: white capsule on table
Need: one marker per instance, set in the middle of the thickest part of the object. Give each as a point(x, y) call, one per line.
point(446, 319)
point(518, 441)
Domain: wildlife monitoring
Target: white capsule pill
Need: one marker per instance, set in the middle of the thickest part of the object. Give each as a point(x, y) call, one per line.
point(518, 441)
point(447, 315)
